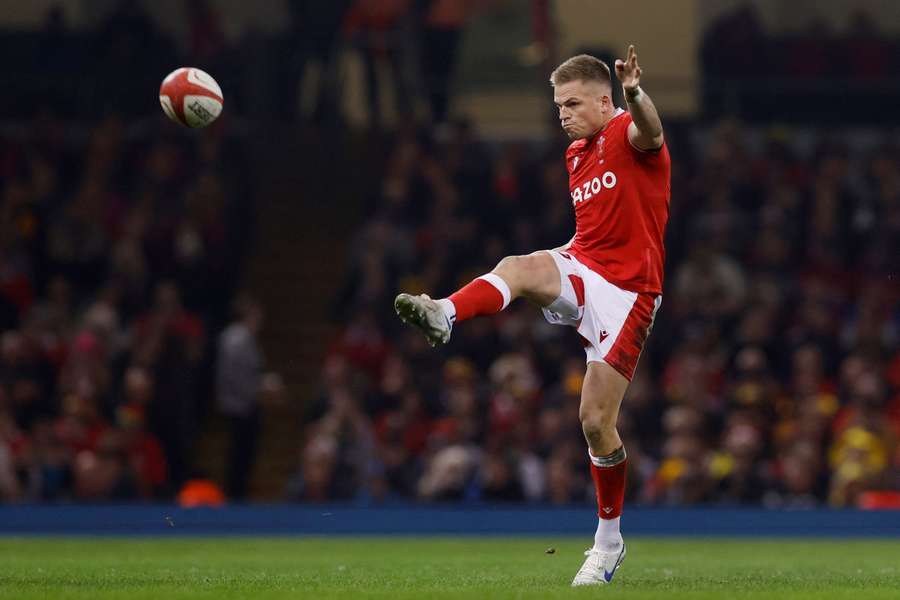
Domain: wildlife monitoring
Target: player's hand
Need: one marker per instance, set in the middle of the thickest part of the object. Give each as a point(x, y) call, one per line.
point(628, 71)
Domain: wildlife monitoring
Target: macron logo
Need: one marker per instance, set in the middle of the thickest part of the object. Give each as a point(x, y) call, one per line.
point(607, 509)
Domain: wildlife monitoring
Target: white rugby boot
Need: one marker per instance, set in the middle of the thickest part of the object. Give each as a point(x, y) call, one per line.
point(426, 314)
point(599, 567)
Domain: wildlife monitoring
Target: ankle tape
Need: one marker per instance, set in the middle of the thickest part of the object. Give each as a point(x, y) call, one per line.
point(612, 459)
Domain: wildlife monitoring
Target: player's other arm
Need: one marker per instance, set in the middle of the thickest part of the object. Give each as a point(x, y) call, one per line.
point(645, 131)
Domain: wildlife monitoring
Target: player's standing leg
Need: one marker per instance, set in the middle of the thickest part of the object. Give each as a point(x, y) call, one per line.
point(533, 276)
point(601, 396)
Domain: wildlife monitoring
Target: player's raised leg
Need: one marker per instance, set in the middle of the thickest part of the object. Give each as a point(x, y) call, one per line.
point(601, 396)
point(533, 276)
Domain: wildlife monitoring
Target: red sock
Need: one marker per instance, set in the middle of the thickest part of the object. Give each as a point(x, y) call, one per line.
point(609, 482)
point(483, 296)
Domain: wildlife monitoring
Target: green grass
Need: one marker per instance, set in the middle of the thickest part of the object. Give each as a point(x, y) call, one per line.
point(225, 568)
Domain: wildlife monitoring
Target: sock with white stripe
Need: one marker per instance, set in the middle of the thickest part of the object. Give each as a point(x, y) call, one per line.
point(485, 295)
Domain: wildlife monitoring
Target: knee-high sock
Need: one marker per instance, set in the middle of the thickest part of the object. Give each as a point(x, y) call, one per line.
point(608, 473)
point(485, 295)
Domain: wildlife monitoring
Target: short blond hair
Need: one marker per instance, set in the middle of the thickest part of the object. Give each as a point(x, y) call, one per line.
point(582, 67)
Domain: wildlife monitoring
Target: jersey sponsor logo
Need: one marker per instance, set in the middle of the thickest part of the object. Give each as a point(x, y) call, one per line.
point(594, 186)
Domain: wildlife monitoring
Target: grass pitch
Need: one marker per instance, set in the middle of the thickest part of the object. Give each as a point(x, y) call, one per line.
point(226, 568)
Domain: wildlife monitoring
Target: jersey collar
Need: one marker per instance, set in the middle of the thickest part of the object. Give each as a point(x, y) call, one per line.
point(594, 137)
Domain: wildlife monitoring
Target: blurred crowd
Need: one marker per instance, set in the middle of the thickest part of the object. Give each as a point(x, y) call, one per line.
point(406, 53)
point(411, 46)
point(119, 248)
point(737, 44)
point(772, 375)
point(763, 75)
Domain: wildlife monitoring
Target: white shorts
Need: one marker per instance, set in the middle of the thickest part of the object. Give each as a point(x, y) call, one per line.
point(613, 323)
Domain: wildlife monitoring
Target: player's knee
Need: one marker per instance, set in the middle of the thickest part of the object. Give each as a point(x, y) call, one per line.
point(597, 422)
point(524, 263)
point(509, 265)
point(514, 271)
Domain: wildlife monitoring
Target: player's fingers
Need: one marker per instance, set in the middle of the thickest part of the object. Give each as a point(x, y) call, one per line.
point(631, 51)
point(620, 64)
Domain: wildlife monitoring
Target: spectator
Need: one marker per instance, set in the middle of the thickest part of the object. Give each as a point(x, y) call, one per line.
point(444, 21)
point(240, 385)
point(170, 339)
point(382, 31)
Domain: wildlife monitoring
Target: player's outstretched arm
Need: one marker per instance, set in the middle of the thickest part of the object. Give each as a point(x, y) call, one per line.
point(645, 131)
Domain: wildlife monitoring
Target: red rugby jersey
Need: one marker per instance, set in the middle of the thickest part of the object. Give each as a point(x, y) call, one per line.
point(621, 200)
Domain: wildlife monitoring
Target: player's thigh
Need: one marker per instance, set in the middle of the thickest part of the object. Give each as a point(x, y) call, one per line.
point(602, 393)
point(534, 276)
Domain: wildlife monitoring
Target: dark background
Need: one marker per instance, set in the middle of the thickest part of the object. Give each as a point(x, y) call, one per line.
point(370, 147)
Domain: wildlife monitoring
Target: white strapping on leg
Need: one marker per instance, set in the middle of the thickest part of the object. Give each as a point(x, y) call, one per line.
point(608, 537)
point(449, 309)
point(610, 460)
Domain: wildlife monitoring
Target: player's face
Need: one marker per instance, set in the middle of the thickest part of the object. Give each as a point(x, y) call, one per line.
point(584, 107)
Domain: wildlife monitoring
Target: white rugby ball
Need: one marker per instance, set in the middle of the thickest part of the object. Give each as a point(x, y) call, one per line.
point(191, 97)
